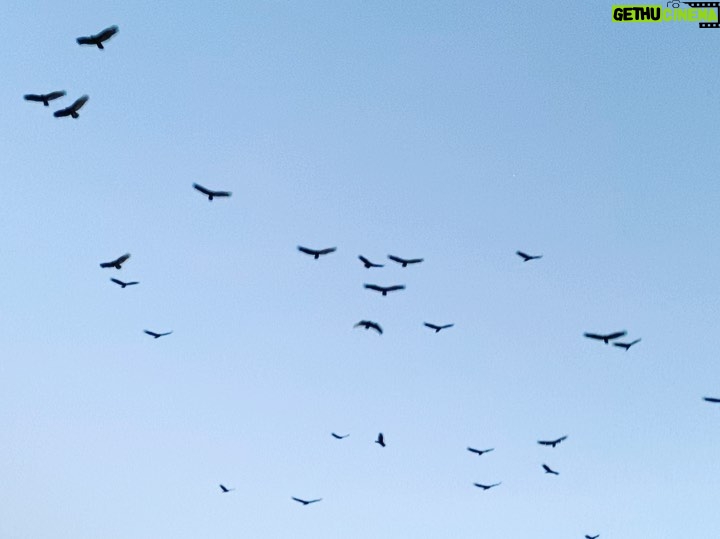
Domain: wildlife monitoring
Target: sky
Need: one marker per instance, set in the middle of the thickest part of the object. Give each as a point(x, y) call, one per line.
point(456, 132)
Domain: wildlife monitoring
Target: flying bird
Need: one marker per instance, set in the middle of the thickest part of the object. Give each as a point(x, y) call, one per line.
point(339, 436)
point(316, 253)
point(405, 261)
point(225, 489)
point(548, 470)
point(305, 502)
point(438, 328)
point(44, 98)
point(487, 487)
point(210, 193)
point(380, 440)
point(98, 39)
point(711, 399)
point(552, 443)
point(367, 324)
point(606, 338)
point(480, 451)
point(626, 345)
point(73, 109)
point(117, 263)
point(526, 256)
point(122, 284)
point(156, 335)
point(369, 264)
point(592, 536)
point(385, 289)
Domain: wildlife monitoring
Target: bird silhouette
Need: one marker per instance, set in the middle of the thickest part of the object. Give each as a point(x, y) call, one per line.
point(305, 502)
point(367, 324)
point(73, 109)
point(369, 264)
point(98, 39)
point(225, 489)
point(339, 436)
point(438, 328)
point(487, 487)
point(122, 284)
point(552, 443)
point(527, 257)
point(626, 345)
point(380, 440)
point(44, 98)
point(606, 338)
point(711, 399)
point(210, 193)
point(117, 263)
point(405, 261)
point(316, 253)
point(156, 335)
point(548, 470)
point(592, 536)
point(480, 451)
point(385, 289)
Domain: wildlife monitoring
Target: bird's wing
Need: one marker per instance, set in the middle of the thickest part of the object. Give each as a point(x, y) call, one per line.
point(33, 97)
point(711, 399)
point(168, 333)
point(55, 95)
point(132, 282)
point(327, 251)
point(616, 335)
point(594, 336)
point(474, 450)
point(222, 193)
point(299, 500)
point(395, 287)
point(415, 260)
point(376, 327)
point(543, 442)
point(79, 103)
point(313, 501)
point(635, 342)
point(306, 250)
point(122, 259)
point(447, 326)
point(621, 345)
point(202, 189)
point(62, 112)
point(560, 439)
point(118, 281)
point(546, 468)
point(364, 260)
point(432, 326)
point(374, 287)
point(107, 264)
point(381, 438)
point(397, 259)
point(86, 40)
point(523, 255)
point(107, 33)
point(152, 333)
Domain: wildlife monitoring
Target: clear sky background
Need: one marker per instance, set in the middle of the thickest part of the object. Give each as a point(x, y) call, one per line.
point(454, 131)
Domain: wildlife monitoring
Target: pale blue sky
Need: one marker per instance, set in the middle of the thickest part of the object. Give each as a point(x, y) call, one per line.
point(454, 131)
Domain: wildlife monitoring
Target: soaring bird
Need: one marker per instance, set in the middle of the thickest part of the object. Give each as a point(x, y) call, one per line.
point(552, 443)
point(44, 98)
point(711, 399)
point(438, 328)
point(339, 436)
point(626, 345)
point(210, 193)
point(385, 289)
point(548, 470)
point(526, 256)
point(98, 39)
point(487, 487)
point(369, 264)
point(606, 338)
point(480, 451)
point(380, 440)
point(225, 489)
point(117, 263)
point(73, 109)
point(305, 502)
point(592, 536)
point(316, 253)
point(156, 335)
point(405, 261)
point(122, 284)
point(367, 324)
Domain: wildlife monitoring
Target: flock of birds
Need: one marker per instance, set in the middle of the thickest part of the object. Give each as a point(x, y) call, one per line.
point(98, 40)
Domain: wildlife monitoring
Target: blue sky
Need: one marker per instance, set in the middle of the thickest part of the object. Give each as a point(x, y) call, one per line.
point(458, 132)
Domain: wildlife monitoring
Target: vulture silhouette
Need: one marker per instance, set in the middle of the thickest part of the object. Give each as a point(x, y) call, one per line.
point(526, 257)
point(117, 263)
point(122, 284)
point(367, 324)
point(98, 39)
point(210, 193)
point(626, 345)
point(606, 338)
point(156, 335)
point(438, 328)
point(592, 536)
point(548, 470)
point(487, 487)
point(306, 502)
point(369, 264)
point(552, 443)
point(44, 98)
point(339, 436)
point(405, 261)
point(225, 489)
point(380, 440)
point(73, 109)
point(315, 252)
point(480, 451)
point(385, 289)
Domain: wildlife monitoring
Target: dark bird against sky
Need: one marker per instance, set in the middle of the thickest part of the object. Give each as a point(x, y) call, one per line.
point(306, 502)
point(156, 335)
point(339, 436)
point(552, 443)
point(367, 324)
point(487, 487)
point(316, 253)
point(711, 399)
point(225, 489)
point(385, 289)
point(122, 284)
point(210, 193)
point(606, 338)
point(73, 109)
point(369, 264)
point(592, 536)
point(526, 257)
point(480, 451)
point(380, 440)
point(438, 328)
point(44, 98)
point(405, 261)
point(549, 470)
point(98, 39)
point(117, 263)
point(626, 345)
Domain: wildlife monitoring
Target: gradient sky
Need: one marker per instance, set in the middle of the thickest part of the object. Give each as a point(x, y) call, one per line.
point(454, 131)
